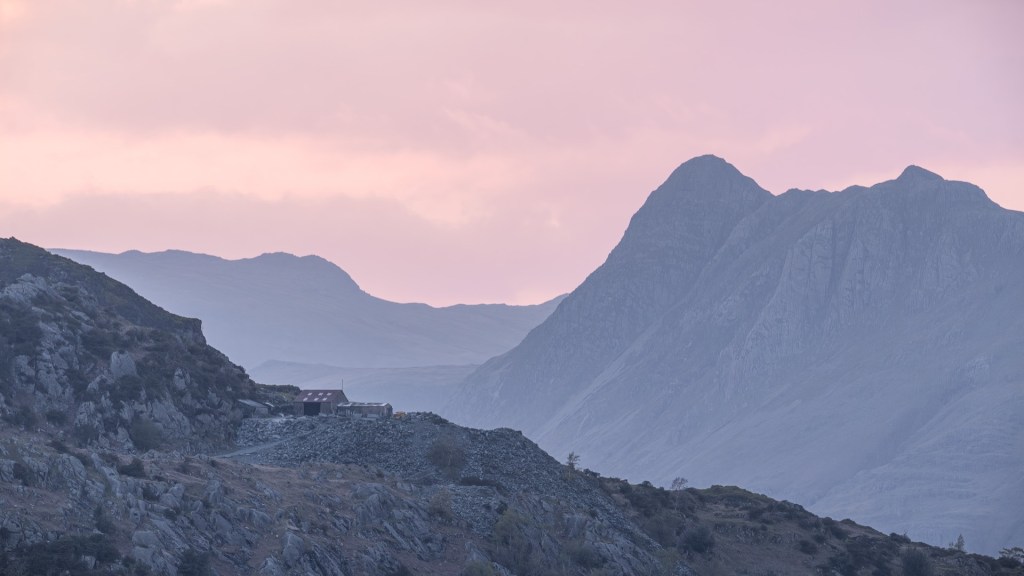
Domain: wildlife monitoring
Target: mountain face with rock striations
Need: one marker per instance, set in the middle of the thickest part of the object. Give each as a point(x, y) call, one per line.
point(283, 308)
point(858, 352)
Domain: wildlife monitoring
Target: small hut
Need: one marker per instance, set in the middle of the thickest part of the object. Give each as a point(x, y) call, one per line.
point(316, 402)
point(365, 409)
point(253, 408)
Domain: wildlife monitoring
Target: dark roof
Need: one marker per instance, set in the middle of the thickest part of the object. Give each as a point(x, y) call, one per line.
point(333, 396)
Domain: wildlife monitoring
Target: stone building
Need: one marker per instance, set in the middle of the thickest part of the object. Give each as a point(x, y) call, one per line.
point(315, 402)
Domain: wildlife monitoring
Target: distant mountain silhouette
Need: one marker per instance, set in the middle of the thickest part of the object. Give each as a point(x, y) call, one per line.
point(280, 307)
point(859, 352)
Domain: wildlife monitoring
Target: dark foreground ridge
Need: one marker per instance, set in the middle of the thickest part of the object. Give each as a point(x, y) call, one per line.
point(413, 495)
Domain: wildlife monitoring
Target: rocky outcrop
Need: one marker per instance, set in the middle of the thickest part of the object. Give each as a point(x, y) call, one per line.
point(473, 476)
point(84, 357)
point(849, 351)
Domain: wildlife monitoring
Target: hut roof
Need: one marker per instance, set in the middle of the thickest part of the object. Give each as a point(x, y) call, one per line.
point(332, 396)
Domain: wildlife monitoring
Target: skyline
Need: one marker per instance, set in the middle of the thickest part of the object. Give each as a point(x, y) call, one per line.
point(462, 153)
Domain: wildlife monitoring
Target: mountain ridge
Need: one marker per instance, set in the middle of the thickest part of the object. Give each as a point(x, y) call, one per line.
point(805, 297)
point(280, 307)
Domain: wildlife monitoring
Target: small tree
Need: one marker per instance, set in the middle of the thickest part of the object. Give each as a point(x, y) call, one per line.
point(679, 483)
point(572, 461)
point(958, 545)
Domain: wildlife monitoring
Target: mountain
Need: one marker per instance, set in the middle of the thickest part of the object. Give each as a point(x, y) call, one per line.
point(108, 400)
point(857, 352)
point(279, 307)
point(89, 358)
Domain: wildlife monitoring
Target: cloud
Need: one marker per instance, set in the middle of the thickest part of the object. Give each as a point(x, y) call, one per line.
point(390, 251)
point(521, 122)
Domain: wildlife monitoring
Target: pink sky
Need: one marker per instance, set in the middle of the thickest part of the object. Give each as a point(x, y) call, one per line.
point(463, 151)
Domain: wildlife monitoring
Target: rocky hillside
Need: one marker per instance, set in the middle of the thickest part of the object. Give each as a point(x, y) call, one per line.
point(417, 495)
point(857, 352)
point(306, 310)
point(87, 360)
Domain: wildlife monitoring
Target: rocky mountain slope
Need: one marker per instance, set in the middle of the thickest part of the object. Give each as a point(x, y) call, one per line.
point(857, 352)
point(86, 356)
point(279, 307)
point(331, 496)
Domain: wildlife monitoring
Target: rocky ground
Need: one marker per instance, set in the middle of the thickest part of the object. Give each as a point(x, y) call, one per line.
point(415, 495)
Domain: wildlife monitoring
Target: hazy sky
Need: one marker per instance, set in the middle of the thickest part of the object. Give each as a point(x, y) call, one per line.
point(474, 151)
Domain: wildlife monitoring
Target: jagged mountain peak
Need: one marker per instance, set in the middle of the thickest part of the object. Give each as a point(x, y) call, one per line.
point(918, 188)
point(844, 322)
point(701, 200)
point(708, 176)
point(916, 173)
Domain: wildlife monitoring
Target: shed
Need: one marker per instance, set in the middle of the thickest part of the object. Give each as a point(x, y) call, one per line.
point(315, 402)
point(365, 409)
point(253, 408)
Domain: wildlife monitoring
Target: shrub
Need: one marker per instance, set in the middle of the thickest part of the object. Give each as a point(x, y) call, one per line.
point(807, 547)
point(56, 417)
point(23, 416)
point(916, 563)
point(842, 564)
point(126, 389)
point(25, 474)
point(699, 540)
point(447, 455)
point(103, 522)
point(837, 531)
point(584, 555)
point(85, 434)
point(646, 498)
point(145, 435)
point(441, 505)
point(135, 468)
point(62, 556)
point(901, 538)
point(149, 493)
point(194, 563)
point(99, 343)
point(58, 446)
